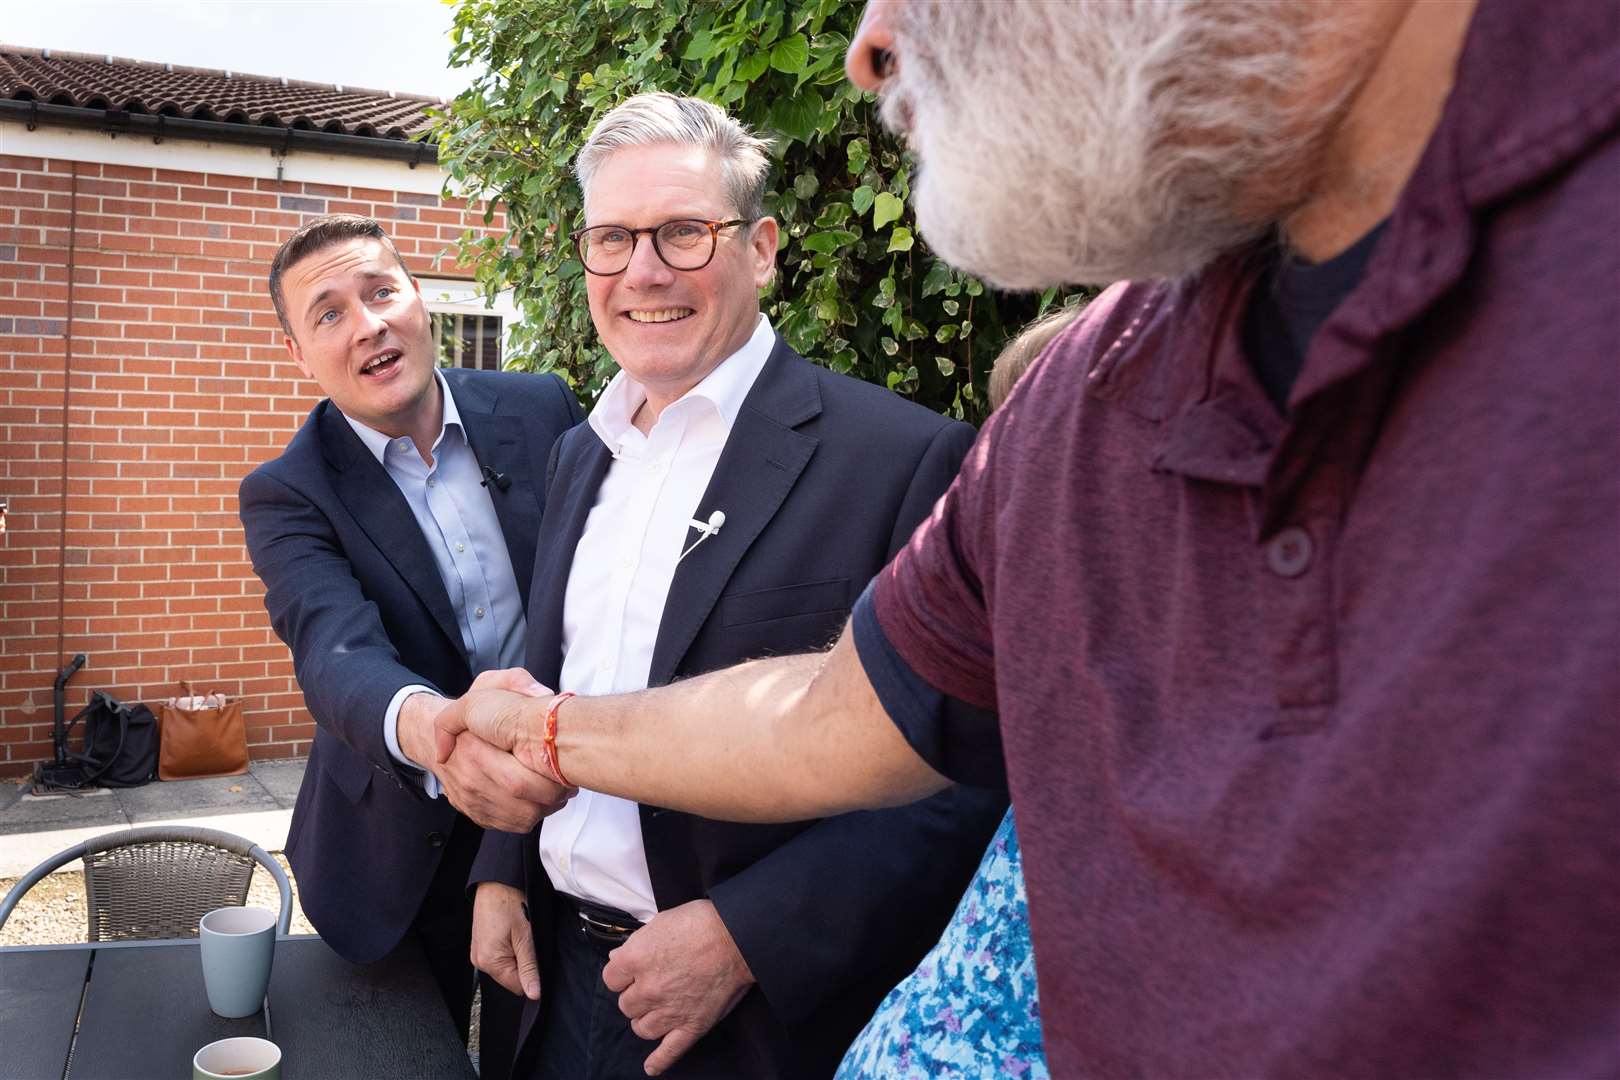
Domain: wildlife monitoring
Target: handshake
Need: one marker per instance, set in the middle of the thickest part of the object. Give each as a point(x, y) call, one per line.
point(486, 748)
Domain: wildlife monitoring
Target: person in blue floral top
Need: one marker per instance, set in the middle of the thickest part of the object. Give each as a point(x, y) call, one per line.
point(971, 1009)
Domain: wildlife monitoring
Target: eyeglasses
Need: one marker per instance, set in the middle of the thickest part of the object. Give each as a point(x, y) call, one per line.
point(682, 244)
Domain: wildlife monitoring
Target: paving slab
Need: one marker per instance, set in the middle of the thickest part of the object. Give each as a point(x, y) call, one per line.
point(195, 798)
point(281, 779)
point(36, 828)
point(34, 813)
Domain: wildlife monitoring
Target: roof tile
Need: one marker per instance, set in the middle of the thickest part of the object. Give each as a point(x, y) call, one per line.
point(106, 82)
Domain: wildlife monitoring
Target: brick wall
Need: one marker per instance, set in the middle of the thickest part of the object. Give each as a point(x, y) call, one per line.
point(177, 385)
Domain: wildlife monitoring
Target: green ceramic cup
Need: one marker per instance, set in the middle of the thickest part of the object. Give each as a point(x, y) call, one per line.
point(242, 1058)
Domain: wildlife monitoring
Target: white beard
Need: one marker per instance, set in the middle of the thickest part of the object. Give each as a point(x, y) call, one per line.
point(1064, 143)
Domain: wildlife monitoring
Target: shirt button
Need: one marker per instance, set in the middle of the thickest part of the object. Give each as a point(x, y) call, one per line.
point(460, 546)
point(430, 481)
point(404, 444)
point(1289, 552)
point(478, 613)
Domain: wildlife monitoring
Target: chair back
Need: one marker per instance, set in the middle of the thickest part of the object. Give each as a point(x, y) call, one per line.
point(158, 882)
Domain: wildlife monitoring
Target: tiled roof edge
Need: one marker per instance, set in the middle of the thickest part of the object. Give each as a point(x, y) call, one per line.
point(185, 69)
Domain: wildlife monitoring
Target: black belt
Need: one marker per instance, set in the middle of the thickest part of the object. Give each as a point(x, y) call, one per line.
point(600, 924)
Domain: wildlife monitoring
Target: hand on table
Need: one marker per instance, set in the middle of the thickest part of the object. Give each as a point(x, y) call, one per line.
point(502, 943)
point(485, 782)
point(676, 978)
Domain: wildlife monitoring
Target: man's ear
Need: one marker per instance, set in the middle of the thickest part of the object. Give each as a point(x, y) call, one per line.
point(297, 355)
point(762, 248)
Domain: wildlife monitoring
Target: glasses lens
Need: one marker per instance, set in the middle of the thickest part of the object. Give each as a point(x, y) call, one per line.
point(686, 244)
point(605, 249)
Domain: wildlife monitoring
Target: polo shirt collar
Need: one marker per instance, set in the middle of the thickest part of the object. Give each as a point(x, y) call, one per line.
point(1178, 359)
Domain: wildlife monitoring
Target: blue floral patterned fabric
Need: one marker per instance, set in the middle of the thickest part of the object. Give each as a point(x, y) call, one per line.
point(970, 1010)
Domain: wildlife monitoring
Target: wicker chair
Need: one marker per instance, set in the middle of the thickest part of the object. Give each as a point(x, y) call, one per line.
point(157, 882)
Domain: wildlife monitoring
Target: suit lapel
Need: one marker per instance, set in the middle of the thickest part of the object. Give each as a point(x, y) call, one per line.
point(499, 443)
point(370, 494)
point(582, 463)
point(761, 462)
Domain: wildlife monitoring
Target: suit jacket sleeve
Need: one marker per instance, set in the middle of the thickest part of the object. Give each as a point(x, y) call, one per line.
point(500, 857)
point(868, 890)
point(342, 656)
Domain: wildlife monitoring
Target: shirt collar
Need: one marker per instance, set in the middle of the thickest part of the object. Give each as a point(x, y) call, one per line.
point(724, 388)
point(377, 442)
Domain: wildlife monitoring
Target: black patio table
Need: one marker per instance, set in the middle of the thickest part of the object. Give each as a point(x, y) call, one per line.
point(130, 1010)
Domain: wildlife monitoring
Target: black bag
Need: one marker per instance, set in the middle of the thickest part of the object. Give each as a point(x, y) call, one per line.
point(120, 746)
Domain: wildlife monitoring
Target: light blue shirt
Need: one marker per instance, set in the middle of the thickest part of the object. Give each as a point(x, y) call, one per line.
point(455, 512)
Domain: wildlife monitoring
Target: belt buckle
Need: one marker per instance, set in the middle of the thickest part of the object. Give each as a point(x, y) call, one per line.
point(602, 928)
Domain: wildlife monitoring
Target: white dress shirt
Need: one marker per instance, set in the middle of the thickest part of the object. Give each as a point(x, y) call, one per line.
point(456, 515)
point(622, 569)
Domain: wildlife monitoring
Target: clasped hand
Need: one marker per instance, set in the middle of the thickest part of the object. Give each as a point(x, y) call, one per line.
point(481, 775)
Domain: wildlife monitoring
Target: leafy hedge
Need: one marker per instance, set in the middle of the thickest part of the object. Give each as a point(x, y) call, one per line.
point(856, 289)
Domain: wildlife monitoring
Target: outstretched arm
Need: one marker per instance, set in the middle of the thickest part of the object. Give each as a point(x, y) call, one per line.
point(783, 739)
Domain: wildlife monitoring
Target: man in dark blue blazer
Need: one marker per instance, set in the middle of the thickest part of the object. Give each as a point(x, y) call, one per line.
point(395, 539)
point(727, 500)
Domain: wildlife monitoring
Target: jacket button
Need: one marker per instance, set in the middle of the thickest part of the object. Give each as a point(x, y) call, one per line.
point(436, 839)
point(1289, 552)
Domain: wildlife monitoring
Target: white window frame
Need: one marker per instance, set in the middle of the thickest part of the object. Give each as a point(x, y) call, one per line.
point(450, 296)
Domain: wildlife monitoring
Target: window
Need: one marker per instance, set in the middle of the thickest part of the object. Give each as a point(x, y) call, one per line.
point(469, 341)
point(466, 333)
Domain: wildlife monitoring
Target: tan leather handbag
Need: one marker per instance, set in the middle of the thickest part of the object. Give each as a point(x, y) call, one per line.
point(201, 736)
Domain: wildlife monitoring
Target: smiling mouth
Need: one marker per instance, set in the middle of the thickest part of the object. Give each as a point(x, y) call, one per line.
point(662, 316)
point(381, 364)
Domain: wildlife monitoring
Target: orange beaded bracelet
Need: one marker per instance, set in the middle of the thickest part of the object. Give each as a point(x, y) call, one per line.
point(548, 742)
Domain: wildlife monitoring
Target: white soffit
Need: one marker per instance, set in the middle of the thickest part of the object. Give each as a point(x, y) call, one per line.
point(229, 159)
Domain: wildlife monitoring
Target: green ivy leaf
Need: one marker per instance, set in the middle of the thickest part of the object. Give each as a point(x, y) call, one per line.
point(947, 366)
point(900, 239)
point(796, 116)
point(885, 209)
point(828, 242)
point(789, 55)
point(753, 67)
point(858, 156)
point(805, 185)
point(861, 199)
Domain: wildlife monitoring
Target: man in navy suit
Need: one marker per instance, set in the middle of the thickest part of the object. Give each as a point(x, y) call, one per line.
point(395, 539)
point(726, 500)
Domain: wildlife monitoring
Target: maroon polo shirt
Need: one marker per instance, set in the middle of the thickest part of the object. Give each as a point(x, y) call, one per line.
point(1312, 721)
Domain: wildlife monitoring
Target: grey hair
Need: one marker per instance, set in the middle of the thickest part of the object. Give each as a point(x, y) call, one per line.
point(661, 118)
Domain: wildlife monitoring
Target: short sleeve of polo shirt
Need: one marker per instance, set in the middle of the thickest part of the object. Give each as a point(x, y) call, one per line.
point(922, 632)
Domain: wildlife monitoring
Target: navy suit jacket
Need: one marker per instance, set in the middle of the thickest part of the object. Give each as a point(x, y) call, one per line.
point(352, 588)
point(822, 480)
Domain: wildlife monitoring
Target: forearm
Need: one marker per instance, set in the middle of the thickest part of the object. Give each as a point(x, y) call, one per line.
point(783, 739)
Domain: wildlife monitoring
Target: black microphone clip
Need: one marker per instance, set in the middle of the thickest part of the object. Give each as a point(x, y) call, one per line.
point(500, 480)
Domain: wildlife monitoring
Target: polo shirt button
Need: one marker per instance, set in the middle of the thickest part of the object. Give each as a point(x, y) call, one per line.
point(1289, 552)
point(436, 839)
